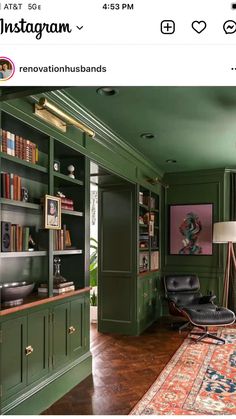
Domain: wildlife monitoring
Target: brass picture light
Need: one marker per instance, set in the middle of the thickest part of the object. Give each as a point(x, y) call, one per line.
point(157, 181)
point(52, 114)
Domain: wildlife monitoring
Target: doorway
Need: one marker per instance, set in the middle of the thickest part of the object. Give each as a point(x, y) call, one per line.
point(112, 250)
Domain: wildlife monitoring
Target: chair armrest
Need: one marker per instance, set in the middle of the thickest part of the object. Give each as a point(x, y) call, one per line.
point(206, 299)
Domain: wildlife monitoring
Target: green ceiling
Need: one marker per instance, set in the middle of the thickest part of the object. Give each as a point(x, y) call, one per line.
point(194, 125)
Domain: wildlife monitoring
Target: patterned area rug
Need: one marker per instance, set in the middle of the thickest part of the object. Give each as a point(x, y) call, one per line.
point(199, 379)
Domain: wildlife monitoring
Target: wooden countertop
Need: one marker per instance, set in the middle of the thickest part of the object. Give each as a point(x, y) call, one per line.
point(35, 300)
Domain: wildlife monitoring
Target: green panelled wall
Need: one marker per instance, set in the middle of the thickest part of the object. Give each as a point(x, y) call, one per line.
point(197, 188)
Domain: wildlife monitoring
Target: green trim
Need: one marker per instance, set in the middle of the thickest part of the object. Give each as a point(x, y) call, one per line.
point(46, 393)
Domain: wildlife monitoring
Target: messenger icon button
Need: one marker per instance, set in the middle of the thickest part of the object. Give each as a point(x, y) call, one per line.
point(229, 27)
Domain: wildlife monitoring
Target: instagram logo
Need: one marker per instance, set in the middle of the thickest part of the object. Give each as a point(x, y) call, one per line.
point(7, 68)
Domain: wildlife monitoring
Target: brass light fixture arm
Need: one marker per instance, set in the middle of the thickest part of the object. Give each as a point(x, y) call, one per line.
point(49, 106)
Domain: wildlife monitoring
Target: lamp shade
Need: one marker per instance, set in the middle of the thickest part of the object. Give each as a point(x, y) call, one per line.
point(224, 232)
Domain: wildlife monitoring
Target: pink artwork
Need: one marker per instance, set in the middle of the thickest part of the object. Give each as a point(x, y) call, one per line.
point(191, 229)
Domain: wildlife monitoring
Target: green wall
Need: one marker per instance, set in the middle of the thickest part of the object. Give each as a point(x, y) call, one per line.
point(197, 188)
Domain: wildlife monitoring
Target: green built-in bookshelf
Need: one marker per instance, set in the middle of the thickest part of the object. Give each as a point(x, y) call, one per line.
point(27, 158)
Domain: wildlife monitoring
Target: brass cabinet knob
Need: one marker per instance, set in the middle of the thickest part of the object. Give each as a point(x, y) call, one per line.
point(71, 330)
point(28, 350)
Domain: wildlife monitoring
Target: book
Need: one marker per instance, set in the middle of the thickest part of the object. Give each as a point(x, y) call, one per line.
point(59, 285)
point(44, 290)
point(4, 141)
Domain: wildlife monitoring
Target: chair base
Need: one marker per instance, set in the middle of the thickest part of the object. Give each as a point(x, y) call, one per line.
point(206, 334)
point(184, 326)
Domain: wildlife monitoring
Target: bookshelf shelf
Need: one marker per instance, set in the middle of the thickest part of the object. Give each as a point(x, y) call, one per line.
point(68, 252)
point(73, 213)
point(148, 256)
point(144, 206)
point(23, 254)
point(29, 165)
point(22, 204)
point(66, 179)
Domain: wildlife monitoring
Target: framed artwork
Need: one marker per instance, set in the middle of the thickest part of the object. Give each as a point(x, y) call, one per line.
point(52, 212)
point(190, 229)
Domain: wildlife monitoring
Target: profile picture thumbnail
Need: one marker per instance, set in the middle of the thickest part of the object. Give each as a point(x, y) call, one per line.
point(7, 68)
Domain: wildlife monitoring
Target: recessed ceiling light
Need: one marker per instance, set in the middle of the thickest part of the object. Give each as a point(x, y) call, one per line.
point(107, 91)
point(147, 135)
point(171, 161)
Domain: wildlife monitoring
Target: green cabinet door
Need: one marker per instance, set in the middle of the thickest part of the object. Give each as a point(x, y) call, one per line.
point(60, 336)
point(37, 340)
point(75, 329)
point(13, 362)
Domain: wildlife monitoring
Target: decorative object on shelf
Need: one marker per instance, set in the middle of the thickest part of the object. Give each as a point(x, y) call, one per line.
point(225, 232)
point(143, 262)
point(140, 197)
point(60, 194)
point(5, 236)
point(56, 166)
point(66, 203)
point(58, 278)
point(141, 220)
point(71, 170)
point(31, 239)
point(52, 114)
point(151, 228)
point(24, 194)
point(12, 294)
point(191, 229)
point(52, 212)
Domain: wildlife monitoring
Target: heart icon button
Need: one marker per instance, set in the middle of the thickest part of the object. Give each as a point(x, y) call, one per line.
point(199, 26)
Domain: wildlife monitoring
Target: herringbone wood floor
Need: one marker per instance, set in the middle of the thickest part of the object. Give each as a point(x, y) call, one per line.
point(124, 368)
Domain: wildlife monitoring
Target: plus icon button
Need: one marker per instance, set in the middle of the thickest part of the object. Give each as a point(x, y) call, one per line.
point(167, 27)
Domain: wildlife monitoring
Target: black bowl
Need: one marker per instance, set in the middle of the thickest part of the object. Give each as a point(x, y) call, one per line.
point(15, 290)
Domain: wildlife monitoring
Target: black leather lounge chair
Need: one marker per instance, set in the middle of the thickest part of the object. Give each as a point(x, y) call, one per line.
point(185, 300)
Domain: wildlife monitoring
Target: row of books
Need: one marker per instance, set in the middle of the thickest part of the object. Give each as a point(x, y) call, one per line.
point(19, 238)
point(150, 201)
point(67, 204)
point(11, 186)
point(60, 288)
point(17, 146)
point(62, 239)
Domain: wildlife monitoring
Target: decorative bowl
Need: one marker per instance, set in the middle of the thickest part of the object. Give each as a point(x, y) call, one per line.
point(15, 290)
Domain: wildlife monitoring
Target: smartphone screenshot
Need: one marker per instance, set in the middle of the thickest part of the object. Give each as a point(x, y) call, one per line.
point(118, 207)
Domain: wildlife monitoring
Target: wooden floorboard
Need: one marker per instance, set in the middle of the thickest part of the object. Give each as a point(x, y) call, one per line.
point(124, 368)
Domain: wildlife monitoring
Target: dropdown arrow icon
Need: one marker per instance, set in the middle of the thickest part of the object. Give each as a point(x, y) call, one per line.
point(79, 27)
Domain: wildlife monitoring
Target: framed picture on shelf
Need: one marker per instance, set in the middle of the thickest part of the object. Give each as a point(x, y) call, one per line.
point(190, 229)
point(52, 212)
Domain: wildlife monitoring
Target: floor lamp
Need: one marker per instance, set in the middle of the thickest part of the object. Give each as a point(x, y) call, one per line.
point(225, 232)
